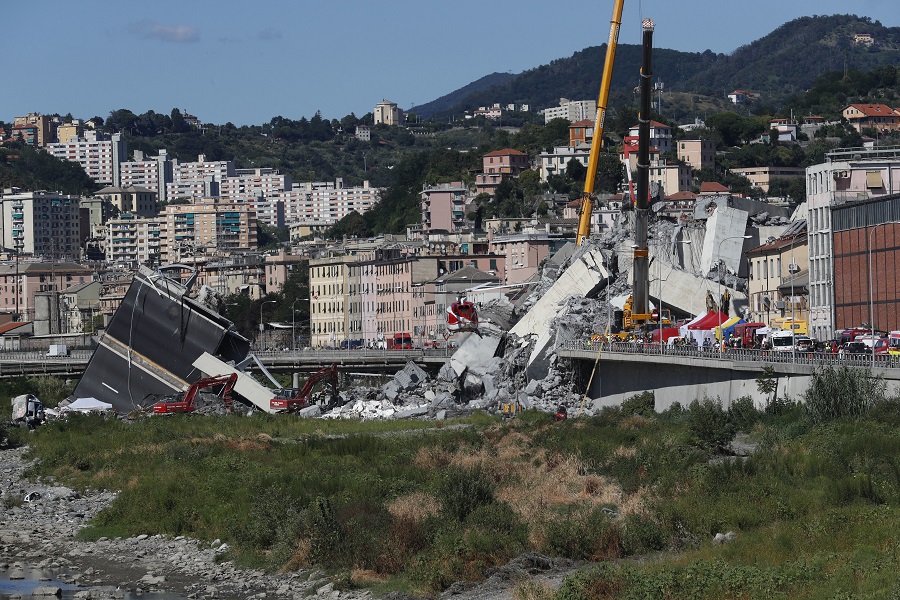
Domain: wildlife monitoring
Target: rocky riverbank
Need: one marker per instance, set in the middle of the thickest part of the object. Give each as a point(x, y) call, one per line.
point(39, 522)
point(38, 526)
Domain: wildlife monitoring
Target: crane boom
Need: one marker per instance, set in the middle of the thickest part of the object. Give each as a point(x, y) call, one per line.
point(587, 202)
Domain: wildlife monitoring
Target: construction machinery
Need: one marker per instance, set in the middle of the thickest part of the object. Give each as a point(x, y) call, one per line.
point(587, 200)
point(298, 400)
point(186, 404)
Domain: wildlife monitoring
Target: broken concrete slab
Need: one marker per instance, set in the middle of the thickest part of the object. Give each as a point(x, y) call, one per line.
point(474, 354)
point(410, 376)
point(160, 328)
point(250, 389)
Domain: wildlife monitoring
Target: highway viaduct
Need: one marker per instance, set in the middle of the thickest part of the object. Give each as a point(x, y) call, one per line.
point(686, 374)
point(623, 370)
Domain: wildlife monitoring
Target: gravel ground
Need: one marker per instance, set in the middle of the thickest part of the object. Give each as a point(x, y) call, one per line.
point(39, 522)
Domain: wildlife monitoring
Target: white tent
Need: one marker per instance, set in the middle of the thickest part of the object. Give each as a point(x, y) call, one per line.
point(683, 330)
point(86, 405)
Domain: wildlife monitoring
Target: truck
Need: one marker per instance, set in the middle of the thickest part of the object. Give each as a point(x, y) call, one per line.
point(894, 343)
point(781, 340)
point(746, 332)
point(27, 410)
point(400, 341)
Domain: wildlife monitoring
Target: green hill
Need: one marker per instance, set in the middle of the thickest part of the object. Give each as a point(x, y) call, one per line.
point(786, 61)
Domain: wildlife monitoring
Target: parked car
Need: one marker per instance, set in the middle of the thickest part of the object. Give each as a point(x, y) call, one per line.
point(855, 348)
point(805, 344)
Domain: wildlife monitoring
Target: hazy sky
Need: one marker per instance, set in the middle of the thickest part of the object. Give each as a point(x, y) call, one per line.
point(246, 62)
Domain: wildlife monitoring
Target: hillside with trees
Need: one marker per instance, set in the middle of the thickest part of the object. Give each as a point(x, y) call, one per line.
point(778, 65)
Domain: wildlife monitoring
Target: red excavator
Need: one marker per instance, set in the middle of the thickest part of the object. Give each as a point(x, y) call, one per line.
point(186, 404)
point(301, 399)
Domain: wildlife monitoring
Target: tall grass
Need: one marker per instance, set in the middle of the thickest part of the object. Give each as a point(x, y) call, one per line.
point(416, 507)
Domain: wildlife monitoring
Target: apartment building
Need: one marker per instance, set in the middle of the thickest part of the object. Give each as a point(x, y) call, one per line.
point(524, 252)
point(444, 207)
point(21, 281)
point(41, 223)
point(325, 201)
point(329, 288)
point(581, 133)
point(132, 241)
point(866, 240)
point(133, 199)
point(557, 161)
point(699, 154)
point(762, 177)
point(779, 277)
point(39, 128)
point(847, 177)
point(497, 166)
point(207, 227)
point(879, 117)
point(660, 136)
point(100, 156)
point(151, 173)
point(571, 110)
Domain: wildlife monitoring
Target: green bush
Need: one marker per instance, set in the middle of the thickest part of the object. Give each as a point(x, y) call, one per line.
point(583, 536)
point(710, 426)
point(842, 392)
point(641, 534)
point(643, 404)
point(462, 490)
point(743, 413)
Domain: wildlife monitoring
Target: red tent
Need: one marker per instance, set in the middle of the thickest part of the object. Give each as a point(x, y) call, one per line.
point(710, 321)
point(667, 332)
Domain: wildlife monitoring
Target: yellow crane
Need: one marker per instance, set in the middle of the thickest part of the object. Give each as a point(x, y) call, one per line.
point(587, 200)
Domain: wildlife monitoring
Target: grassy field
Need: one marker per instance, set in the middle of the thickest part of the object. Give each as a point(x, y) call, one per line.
point(416, 506)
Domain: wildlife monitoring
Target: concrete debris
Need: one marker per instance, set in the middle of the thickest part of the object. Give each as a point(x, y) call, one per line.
point(410, 376)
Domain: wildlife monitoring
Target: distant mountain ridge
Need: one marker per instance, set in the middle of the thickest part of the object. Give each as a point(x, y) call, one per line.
point(783, 62)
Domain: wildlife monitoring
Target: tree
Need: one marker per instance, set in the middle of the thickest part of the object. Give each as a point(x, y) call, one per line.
point(353, 225)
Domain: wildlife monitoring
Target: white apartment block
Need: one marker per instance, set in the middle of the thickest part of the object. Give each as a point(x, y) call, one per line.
point(556, 162)
point(41, 224)
point(150, 173)
point(571, 110)
point(100, 158)
point(132, 241)
point(847, 175)
point(251, 184)
point(326, 201)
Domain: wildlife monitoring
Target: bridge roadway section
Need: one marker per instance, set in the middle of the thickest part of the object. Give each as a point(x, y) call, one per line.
point(21, 363)
point(679, 374)
point(683, 374)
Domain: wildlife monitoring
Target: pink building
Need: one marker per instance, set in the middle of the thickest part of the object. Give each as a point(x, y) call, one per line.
point(18, 285)
point(497, 166)
point(444, 207)
point(523, 253)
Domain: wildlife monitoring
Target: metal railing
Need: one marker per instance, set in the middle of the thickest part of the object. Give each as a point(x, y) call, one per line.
point(883, 361)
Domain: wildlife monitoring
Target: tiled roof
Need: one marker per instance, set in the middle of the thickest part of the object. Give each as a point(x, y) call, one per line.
point(505, 152)
point(873, 110)
point(712, 187)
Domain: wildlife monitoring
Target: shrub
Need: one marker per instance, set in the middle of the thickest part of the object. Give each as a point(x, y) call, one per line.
point(743, 413)
point(709, 425)
point(462, 490)
point(643, 404)
point(642, 534)
point(842, 392)
point(584, 536)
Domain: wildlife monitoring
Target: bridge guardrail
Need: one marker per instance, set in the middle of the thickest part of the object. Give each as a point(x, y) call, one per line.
point(882, 361)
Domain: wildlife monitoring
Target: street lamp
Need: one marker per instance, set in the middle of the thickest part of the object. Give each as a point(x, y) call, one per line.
point(293, 323)
point(262, 326)
point(871, 294)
